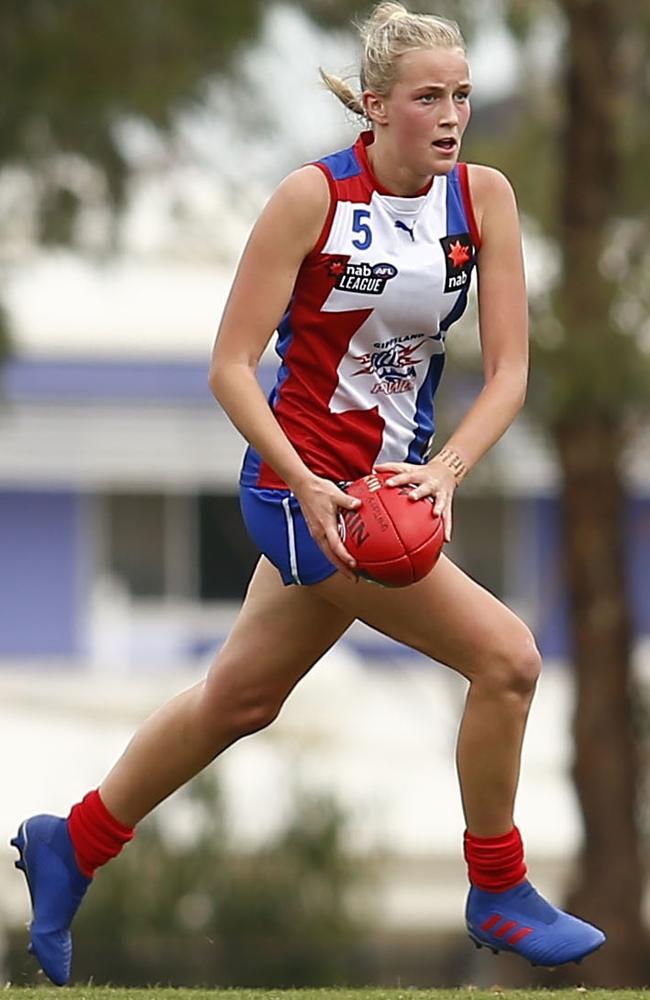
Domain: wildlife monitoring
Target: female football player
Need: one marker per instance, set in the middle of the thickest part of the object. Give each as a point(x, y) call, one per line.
point(373, 249)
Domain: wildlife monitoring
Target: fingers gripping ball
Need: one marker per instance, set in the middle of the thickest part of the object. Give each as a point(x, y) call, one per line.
point(395, 541)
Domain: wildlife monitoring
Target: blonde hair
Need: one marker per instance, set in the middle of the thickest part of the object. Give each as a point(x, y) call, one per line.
point(390, 31)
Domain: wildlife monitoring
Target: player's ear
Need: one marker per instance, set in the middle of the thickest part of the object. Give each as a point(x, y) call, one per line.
point(375, 107)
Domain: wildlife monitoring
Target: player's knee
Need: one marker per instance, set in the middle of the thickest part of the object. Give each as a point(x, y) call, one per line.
point(253, 714)
point(237, 712)
point(516, 664)
point(528, 664)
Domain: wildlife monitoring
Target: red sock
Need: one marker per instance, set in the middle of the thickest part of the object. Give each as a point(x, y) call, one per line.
point(96, 835)
point(495, 863)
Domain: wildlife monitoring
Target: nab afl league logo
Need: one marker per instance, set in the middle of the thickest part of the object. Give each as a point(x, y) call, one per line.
point(368, 278)
point(459, 260)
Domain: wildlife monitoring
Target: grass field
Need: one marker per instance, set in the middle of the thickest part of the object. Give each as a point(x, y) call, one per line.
point(163, 993)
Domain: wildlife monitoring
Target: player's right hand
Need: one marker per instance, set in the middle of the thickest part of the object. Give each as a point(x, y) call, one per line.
point(320, 501)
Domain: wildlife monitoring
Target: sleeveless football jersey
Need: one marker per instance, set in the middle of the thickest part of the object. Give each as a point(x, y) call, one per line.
point(362, 341)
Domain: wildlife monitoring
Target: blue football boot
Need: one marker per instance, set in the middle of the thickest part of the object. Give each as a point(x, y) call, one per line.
point(56, 887)
point(521, 921)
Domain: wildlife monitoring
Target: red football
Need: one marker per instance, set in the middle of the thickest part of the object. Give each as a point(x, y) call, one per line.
point(395, 540)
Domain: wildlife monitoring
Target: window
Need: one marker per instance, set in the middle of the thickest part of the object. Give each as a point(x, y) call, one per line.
point(478, 537)
point(135, 542)
point(226, 554)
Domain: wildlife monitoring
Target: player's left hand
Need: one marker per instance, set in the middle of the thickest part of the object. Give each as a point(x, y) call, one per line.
point(430, 480)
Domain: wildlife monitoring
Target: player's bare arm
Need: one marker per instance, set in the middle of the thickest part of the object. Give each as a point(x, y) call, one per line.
point(286, 231)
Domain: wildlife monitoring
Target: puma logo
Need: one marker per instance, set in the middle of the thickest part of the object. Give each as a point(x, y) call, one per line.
point(402, 225)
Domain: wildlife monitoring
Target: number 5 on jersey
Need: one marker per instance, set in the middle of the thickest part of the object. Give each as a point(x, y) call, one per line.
point(360, 225)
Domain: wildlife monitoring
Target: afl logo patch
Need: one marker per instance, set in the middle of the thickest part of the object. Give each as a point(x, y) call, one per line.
point(368, 279)
point(459, 260)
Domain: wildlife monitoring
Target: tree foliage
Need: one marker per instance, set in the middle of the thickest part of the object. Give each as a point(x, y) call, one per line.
point(71, 70)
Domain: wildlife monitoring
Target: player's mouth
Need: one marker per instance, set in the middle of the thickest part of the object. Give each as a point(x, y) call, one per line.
point(448, 145)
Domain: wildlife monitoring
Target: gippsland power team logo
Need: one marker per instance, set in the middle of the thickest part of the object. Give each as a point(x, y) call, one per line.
point(393, 364)
point(459, 260)
point(367, 278)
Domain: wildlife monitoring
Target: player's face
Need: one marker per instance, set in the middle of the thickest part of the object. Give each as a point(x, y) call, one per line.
point(428, 109)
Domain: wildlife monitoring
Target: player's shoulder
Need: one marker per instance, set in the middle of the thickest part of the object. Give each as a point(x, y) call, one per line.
point(307, 187)
point(493, 198)
point(489, 186)
point(488, 181)
point(296, 211)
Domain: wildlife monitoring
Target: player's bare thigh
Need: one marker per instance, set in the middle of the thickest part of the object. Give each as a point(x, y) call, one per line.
point(447, 616)
point(279, 634)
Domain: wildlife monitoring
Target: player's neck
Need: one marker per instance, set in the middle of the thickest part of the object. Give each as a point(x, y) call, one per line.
point(393, 175)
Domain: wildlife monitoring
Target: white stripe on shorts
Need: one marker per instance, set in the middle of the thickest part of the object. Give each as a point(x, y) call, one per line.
point(293, 557)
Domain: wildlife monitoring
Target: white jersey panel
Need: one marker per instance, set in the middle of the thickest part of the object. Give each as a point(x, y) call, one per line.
point(395, 267)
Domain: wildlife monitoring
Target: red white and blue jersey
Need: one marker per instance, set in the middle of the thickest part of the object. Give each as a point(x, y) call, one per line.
point(362, 342)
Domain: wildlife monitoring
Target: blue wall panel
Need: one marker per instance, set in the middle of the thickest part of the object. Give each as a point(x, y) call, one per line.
point(553, 613)
point(39, 574)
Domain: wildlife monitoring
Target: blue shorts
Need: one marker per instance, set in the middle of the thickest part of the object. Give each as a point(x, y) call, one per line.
point(275, 523)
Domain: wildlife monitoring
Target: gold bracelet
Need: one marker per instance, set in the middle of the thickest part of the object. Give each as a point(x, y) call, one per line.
point(454, 462)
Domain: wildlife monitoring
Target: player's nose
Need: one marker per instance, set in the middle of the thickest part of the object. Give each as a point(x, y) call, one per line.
point(449, 112)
